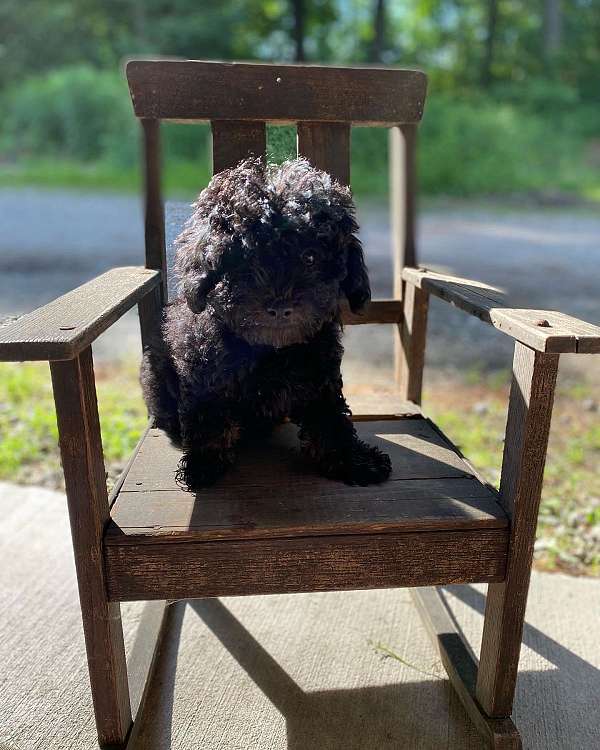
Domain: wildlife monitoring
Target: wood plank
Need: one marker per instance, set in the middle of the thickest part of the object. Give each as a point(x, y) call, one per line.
point(373, 406)
point(527, 430)
point(154, 214)
point(67, 325)
point(332, 563)
point(198, 90)
point(403, 199)
point(461, 666)
point(377, 311)
point(327, 146)
point(150, 310)
point(416, 450)
point(427, 504)
point(411, 354)
point(83, 465)
point(403, 211)
point(233, 141)
point(277, 494)
point(543, 330)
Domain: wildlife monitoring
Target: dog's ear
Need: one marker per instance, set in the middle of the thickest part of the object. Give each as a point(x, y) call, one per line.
point(206, 247)
point(356, 285)
point(196, 289)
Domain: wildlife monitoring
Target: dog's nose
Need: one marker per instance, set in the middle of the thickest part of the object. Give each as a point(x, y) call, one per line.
point(279, 312)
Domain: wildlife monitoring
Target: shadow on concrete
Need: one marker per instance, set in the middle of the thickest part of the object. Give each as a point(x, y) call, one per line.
point(380, 717)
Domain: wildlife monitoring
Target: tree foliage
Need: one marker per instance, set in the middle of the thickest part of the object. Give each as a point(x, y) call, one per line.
point(499, 70)
point(460, 42)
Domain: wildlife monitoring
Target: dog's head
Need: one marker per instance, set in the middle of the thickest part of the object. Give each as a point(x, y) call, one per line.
point(272, 252)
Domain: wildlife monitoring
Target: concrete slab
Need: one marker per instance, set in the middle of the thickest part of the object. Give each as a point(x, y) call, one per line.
point(328, 671)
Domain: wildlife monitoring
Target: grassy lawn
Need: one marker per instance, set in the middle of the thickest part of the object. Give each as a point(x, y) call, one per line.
point(28, 432)
point(181, 179)
point(471, 410)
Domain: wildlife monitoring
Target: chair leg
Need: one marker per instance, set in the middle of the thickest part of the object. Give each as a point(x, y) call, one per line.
point(527, 430)
point(461, 666)
point(83, 466)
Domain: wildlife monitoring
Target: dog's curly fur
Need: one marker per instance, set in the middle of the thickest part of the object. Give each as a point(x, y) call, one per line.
point(254, 335)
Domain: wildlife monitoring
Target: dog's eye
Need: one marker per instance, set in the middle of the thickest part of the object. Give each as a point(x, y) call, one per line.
point(309, 259)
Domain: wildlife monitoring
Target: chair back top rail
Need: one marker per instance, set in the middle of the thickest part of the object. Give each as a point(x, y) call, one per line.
point(202, 91)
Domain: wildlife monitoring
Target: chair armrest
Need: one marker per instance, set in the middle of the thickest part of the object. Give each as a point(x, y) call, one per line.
point(543, 330)
point(64, 327)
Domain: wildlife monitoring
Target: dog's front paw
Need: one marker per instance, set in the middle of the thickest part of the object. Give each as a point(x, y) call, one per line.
point(201, 469)
point(369, 465)
point(360, 464)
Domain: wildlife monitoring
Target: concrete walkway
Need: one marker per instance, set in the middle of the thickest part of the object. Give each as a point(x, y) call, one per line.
point(342, 671)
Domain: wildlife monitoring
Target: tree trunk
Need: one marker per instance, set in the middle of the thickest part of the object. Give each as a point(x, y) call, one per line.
point(490, 39)
point(378, 31)
point(298, 10)
point(552, 28)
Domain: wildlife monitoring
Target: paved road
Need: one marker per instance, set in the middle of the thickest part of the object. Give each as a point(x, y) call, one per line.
point(52, 241)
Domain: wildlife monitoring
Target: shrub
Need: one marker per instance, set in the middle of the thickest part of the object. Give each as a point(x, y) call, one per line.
point(516, 139)
point(75, 112)
point(485, 146)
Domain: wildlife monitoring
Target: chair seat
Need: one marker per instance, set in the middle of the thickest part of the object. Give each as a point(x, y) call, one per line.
point(273, 525)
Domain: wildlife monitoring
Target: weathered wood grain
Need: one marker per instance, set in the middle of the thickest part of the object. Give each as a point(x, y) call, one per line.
point(197, 90)
point(403, 208)
point(154, 213)
point(403, 199)
point(66, 326)
point(461, 666)
point(274, 493)
point(377, 311)
point(373, 406)
point(417, 452)
point(235, 140)
point(327, 146)
point(427, 504)
point(527, 430)
point(83, 465)
point(543, 330)
point(169, 515)
point(411, 353)
point(269, 566)
point(150, 310)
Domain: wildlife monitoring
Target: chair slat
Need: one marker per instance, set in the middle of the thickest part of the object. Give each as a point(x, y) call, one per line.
point(327, 146)
point(197, 90)
point(154, 210)
point(234, 140)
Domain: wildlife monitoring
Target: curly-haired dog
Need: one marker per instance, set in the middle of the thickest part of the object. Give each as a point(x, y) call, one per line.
point(254, 336)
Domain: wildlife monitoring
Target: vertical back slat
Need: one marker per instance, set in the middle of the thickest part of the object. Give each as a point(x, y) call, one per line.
point(234, 140)
point(403, 195)
point(327, 146)
point(154, 216)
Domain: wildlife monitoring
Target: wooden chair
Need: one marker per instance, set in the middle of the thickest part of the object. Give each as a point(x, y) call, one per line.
point(271, 526)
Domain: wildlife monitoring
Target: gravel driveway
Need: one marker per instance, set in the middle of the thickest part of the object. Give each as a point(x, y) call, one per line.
point(53, 241)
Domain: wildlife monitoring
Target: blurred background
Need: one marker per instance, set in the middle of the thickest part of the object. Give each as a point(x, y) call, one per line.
point(513, 105)
point(509, 181)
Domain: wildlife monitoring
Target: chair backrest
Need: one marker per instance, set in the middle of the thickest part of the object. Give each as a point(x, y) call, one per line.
point(239, 99)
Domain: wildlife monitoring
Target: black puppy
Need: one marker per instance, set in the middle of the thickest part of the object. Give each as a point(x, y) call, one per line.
point(254, 336)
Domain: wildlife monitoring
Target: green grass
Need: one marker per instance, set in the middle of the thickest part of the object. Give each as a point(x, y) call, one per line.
point(28, 432)
point(181, 178)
